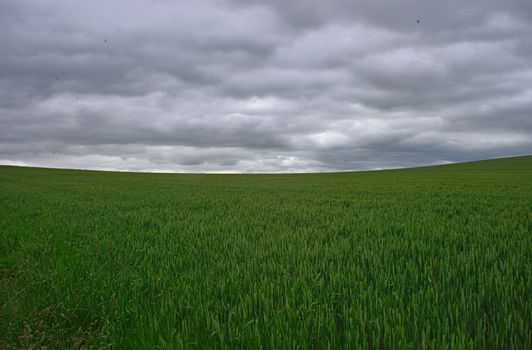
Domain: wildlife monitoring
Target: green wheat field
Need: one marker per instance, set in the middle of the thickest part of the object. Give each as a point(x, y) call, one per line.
point(424, 258)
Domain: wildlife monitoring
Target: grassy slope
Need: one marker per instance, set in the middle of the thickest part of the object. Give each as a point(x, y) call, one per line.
point(435, 257)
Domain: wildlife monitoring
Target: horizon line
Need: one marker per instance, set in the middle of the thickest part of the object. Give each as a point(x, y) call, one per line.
point(102, 170)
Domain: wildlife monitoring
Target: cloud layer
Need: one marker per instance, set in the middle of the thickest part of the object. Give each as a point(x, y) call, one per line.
point(256, 86)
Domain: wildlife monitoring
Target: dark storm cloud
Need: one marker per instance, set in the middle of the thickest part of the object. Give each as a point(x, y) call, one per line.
point(234, 85)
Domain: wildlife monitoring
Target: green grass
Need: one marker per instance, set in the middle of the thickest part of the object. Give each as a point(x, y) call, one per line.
point(436, 257)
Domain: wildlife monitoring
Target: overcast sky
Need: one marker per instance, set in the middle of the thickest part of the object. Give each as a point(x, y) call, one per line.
point(263, 86)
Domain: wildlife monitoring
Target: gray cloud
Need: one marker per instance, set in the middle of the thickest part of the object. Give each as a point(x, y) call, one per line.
point(254, 86)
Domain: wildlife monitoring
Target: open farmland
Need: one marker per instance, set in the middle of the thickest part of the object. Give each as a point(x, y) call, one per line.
point(435, 257)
